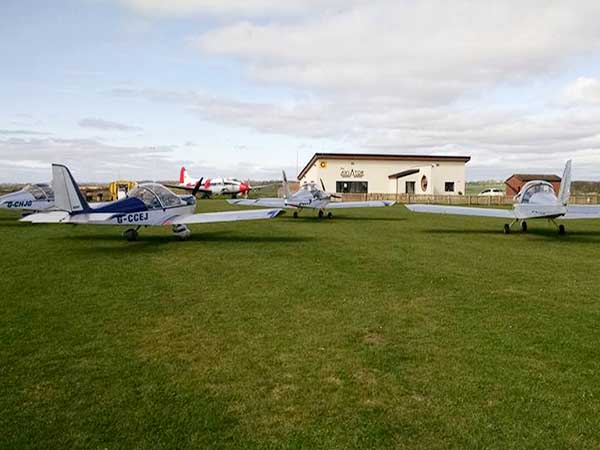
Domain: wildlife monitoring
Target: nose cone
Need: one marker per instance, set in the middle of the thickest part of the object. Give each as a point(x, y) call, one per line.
point(244, 188)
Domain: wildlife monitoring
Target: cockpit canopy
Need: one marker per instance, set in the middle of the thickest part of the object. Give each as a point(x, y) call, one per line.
point(155, 196)
point(310, 187)
point(535, 190)
point(40, 191)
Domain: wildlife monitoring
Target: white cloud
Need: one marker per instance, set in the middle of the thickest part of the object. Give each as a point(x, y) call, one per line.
point(106, 125)
point(423, 52)
point(583, 90)
point(232, 7)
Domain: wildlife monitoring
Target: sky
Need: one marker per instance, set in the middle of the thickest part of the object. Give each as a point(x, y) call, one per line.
point(137, 88)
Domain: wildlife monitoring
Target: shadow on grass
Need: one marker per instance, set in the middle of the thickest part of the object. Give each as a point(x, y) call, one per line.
point(153, 241)
point(550, 233)
point(12, 223)
point(309, 218)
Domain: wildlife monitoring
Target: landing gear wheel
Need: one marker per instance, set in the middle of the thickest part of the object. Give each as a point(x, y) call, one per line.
point(295, 214)
point(561, 229)
point(329, 216)
point(181, 232)
point(524, 227)
point(131, 234)
point(321, 214)
point(506, 228)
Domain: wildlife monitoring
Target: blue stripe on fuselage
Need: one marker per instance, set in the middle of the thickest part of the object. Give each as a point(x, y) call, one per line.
point(126, 205)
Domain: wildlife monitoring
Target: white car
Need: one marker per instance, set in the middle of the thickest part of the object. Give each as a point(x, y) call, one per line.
point(491, 192)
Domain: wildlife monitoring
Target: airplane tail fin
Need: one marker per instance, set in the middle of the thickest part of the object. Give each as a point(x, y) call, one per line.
point(184, 177)
point(565, 185)
point(286, 188)
point(67, 196)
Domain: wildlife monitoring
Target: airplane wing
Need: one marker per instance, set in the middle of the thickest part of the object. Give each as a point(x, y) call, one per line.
point(264, 202)
point(231, 216)
point(190, 189)
point(582, 212)
point(463, 211)
point(369, 204)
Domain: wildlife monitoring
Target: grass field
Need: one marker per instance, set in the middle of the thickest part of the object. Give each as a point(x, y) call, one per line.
point(378, 329)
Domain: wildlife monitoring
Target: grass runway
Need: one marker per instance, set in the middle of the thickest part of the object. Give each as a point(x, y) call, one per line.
point(380, 329)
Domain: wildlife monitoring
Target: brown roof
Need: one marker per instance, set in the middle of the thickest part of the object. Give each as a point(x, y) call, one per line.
point(380, 157)
point(531, 177)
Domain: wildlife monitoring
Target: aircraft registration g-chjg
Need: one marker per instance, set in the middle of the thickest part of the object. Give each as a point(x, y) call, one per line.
point(536, 200)
point(149, 204)
point(214, 186)
point(33, 197)
point(308, 197)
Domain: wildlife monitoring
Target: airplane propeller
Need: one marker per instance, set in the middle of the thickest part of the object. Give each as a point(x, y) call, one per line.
point(325, 190)
point(197, 187)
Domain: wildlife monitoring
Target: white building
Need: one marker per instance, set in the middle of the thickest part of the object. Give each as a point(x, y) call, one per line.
point(387, 174)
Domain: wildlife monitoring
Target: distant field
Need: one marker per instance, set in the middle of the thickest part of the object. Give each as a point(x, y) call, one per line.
point(380, 329)
point(475, 187)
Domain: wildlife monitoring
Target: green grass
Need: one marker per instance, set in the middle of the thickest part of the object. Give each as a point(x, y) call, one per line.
point(379, 329)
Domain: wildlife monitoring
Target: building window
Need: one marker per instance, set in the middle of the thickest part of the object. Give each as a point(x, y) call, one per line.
point(449, 186)
point(424, 183)
point(351, 187)
point(410, 187)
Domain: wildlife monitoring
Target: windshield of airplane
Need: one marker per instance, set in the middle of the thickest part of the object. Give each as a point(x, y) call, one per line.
point(310, 187)
point(40, 191)
point(530, 191)
point(155, 196)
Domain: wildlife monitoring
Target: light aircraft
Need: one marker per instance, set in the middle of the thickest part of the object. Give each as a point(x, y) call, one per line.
point(536, 200)
point(149, 204)
point(214, 186)
point(308, 197)
point(33, 197)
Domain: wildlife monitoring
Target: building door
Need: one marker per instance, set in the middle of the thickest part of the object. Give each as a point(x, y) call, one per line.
point(410, 187)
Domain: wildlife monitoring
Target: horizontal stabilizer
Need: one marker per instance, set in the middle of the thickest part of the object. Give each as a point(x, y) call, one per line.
point(462, 211)
point(47, 217)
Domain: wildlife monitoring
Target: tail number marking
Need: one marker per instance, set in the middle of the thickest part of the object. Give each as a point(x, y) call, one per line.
point(21, 204)
point(133, 218)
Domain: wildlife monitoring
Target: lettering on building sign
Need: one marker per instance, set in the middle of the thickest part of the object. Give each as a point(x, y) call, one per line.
point(352, 173)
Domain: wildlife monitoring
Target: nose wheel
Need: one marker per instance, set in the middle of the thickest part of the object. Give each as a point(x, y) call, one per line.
point(561, 229)
point(131, 234)
point(181, 232)
point(524, 227)
point(295, 214)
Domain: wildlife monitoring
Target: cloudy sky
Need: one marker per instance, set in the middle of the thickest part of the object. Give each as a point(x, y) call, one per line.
point(135, 88)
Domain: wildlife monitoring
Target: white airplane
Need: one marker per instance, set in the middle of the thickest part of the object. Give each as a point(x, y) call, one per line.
point(536, 200)
point(33, 197)
point(148, 204)
point(308, 197)
point(214, 186)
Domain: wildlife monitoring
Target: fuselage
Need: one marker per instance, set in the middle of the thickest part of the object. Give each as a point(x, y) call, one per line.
point(147, 204)
point(309, 196)
point(220, 186)
point(35, 197)
point(537, 199)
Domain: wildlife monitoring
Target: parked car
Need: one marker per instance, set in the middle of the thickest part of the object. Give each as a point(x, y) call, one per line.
point(491, 192)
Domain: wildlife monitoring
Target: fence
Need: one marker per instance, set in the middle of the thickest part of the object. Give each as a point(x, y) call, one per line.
point(474, 200)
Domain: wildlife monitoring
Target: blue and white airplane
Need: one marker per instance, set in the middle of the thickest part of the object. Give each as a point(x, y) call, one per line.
point(149, 204)
point(33, 197)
